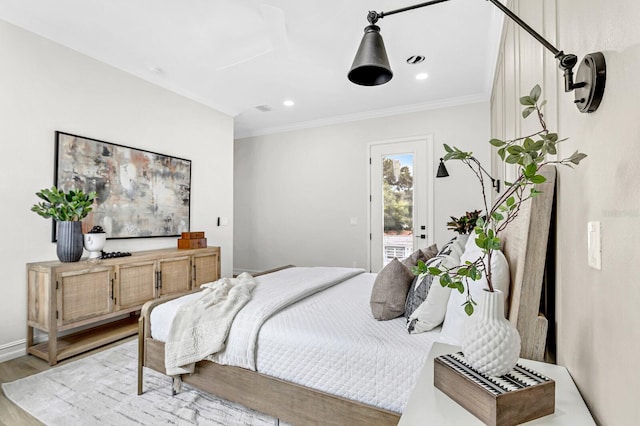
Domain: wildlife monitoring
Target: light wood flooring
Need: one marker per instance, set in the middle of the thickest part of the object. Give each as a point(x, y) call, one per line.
point(17, 368)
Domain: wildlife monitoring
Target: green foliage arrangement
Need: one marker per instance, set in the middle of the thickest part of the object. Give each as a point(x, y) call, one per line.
point(464, 224)
point(529, 154)
point(72, 206)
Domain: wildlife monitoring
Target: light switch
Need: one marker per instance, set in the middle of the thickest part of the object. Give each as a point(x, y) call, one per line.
point(354, 220)
point(224, 221)
point(594, 248)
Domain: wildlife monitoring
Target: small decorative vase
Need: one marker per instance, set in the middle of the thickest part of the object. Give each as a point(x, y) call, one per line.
point(491, 344)
point(69, 245)
point(94, 243)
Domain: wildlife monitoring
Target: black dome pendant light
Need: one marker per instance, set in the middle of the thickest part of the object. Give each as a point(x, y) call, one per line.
point(371, 64)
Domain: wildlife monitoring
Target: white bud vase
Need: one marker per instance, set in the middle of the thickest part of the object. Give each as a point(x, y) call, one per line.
point(491, 344)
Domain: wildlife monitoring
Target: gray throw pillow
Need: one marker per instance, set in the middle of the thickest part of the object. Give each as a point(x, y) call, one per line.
point(430, 252)
point(420, 288)
point(390, 291)
point(420, 254)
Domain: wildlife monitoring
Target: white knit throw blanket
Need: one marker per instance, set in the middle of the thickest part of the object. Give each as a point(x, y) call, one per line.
point(200, 327)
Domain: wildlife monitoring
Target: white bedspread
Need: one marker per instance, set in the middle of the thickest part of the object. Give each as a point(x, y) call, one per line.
point(274, 292)
point(346, 351)
point(331, 342)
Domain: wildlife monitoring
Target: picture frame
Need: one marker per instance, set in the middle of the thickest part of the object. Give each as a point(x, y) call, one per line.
point(140, 193)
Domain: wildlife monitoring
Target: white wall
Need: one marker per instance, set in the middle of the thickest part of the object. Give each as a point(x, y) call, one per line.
point(599, 323)
point(45, 87)
point(597, 310)
point(296, 192)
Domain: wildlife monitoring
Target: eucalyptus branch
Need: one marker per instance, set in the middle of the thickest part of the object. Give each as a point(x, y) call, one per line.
point(529, 155)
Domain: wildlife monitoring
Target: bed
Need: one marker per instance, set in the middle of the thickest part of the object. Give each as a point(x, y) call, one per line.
point(335, 381)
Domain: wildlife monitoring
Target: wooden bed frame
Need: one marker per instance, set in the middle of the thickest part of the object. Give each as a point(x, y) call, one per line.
point(524, 245)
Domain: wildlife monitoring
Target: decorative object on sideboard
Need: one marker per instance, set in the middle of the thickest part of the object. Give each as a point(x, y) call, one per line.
point(192, 240)
point(94, 242)
point(528, 154)
point(114, 254)
point(371, 64)
point(67, 209)
point(141, 194)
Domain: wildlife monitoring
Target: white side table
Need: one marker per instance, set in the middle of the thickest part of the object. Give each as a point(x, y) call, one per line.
point(429, 406)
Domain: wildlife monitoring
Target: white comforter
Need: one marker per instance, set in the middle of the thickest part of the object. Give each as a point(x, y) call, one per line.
point(328, 341)
point(274, 292)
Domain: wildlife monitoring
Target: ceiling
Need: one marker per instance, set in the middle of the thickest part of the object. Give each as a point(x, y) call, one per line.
point(237, 55)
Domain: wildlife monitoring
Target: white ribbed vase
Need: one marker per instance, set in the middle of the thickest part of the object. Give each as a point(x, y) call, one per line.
point(491, 344)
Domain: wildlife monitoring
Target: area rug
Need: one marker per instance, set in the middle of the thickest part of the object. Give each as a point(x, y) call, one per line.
point(102, 390)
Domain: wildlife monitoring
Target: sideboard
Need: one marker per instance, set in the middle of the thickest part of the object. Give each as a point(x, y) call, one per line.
point(86, 304)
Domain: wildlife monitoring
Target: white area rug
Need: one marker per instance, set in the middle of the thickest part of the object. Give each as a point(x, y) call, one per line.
point(102, 390)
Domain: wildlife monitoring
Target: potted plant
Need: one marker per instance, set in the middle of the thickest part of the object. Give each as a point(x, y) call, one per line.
point(528, 154)
point(464, 224)
point(67, 209)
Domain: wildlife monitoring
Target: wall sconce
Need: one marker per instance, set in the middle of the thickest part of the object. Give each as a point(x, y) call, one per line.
point(371, 64)
point(443, 172)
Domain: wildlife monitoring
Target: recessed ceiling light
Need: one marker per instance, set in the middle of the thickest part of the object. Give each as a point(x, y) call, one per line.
point(288, 103)
point(422, 76)
point(415, 59)
point(156, 70)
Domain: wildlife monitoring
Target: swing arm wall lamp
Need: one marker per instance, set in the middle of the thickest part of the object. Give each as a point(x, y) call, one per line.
point(371, 65)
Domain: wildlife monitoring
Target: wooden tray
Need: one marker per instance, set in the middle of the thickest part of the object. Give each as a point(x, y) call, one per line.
point(517, 397)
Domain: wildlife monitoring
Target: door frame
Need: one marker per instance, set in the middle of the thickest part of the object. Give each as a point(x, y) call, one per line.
point(430, 185)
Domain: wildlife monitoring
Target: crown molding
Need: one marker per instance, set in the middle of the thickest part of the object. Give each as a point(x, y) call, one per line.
point(367, 115)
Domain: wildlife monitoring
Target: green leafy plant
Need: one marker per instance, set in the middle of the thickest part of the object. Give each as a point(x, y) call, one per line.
point(72, 206)
point(529, 154)
point(464, 224)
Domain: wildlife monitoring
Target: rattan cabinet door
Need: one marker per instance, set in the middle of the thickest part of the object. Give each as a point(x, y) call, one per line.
point(175, 275)
point(135, 284)
point(206, 268)
point(84, 294)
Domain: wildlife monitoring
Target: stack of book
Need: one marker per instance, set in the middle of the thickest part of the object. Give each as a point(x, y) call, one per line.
point(192, 240)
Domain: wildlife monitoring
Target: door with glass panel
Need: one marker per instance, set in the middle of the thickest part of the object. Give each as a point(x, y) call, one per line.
point(401, 189)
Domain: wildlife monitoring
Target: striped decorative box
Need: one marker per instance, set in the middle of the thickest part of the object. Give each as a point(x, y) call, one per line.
point(517, 397)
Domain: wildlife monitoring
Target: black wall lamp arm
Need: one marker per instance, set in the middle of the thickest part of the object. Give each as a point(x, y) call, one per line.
point(494, 182)
point(373, 16)
point(443, 172)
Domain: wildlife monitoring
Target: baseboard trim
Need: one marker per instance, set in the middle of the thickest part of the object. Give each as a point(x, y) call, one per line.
point(13, 350)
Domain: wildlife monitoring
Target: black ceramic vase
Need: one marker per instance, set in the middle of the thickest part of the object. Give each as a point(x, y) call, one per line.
point(69, 246)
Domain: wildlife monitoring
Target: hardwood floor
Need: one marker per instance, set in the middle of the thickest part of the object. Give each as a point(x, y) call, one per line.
point(17, 368)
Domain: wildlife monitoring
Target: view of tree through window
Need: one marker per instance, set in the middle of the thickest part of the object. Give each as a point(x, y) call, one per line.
point(397, 181)
point(398, 195)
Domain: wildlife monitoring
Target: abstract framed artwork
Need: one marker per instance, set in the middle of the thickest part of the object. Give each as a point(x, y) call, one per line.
point(141, 194)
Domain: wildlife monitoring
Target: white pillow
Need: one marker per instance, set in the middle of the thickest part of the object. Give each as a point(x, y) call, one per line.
point(455, 318)
point(430, 313)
